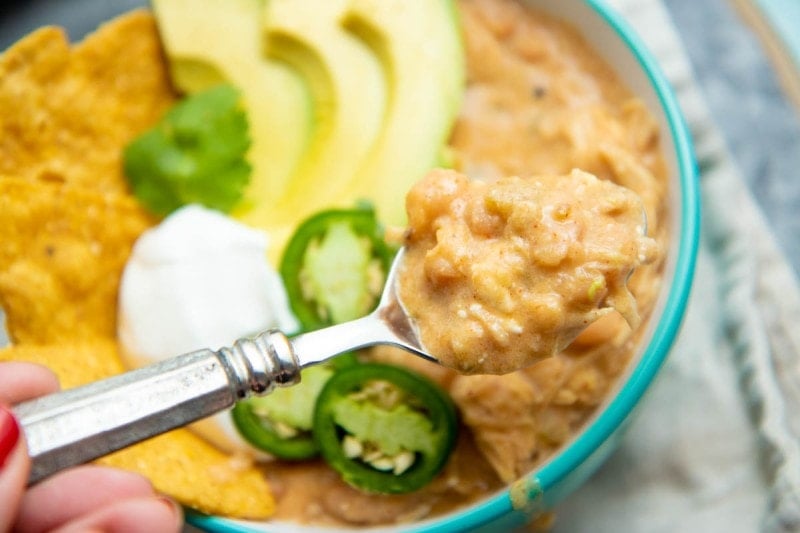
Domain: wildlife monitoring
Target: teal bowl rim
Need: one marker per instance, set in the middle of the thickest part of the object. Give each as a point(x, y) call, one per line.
point(610, 419)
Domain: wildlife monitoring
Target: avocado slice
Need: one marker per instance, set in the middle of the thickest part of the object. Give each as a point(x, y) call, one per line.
point(420, 47)
point(348, 92)
point(220, 40)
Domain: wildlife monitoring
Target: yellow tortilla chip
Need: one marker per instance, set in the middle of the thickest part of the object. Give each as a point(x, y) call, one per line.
point(178, 463)
point(66, 113)
point(198, 475)
point(74, 363)
point(62, 252)
point(67, 225)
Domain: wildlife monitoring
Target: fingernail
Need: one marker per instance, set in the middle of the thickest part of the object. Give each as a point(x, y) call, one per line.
point(176, 509)
point(9, 434)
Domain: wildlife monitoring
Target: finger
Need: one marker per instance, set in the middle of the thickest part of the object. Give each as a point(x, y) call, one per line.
point(76, 492)
point(23, 381)
point(143, 515)
point(14, 467)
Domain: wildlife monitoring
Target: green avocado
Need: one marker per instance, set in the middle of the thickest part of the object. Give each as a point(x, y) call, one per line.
point(348, 92)
point(221, 41)
point(420, 47)
point(347, 99)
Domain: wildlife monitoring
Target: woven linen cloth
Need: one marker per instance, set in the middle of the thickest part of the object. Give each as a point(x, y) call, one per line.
point(715, 446)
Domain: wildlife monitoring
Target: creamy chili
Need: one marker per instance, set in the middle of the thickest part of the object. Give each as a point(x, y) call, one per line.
point(539, 101)
point(500, 274)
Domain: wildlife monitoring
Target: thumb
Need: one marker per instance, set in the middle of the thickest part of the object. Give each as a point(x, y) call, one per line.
point(14, 467)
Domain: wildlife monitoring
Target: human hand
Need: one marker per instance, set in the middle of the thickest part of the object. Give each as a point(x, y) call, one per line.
point(85, 498)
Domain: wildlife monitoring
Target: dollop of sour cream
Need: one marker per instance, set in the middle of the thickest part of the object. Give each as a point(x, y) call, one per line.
point(199, 280)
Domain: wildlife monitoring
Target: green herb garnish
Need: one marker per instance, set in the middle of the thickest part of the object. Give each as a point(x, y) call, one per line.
point(195, 155)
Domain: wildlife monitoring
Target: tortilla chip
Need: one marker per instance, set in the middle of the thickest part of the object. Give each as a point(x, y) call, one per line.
point(65, 114)
point(67, 225)
point(178, 463)
point(75, 364)
point(62, 252)
point(198, 475)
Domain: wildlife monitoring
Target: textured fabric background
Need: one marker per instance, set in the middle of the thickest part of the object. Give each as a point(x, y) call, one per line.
point(734, 69)
point(716, 445)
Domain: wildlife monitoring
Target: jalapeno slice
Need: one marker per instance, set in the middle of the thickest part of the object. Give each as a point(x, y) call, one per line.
point(280, 423)
point(383, 428)
point(334, 266)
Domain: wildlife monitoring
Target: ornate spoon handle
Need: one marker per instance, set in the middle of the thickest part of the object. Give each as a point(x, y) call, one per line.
point(82, 424)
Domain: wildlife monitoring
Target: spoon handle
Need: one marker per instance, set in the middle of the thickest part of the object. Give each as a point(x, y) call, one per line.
point(320, 345)
point(81, 424)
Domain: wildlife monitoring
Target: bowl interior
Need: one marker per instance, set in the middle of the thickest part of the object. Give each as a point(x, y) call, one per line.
point(616, 42)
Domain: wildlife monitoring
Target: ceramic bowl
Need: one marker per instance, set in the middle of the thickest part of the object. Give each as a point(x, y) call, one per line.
point(619, 45)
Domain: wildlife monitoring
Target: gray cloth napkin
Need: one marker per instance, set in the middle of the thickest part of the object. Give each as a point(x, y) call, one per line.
point(716, 444)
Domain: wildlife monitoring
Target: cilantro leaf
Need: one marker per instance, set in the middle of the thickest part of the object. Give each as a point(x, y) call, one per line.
point(196, 154)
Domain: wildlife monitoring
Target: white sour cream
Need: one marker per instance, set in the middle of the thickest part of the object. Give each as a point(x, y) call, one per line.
point(199, 280)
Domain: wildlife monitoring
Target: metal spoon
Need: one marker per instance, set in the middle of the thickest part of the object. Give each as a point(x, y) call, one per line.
point(81, 424)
